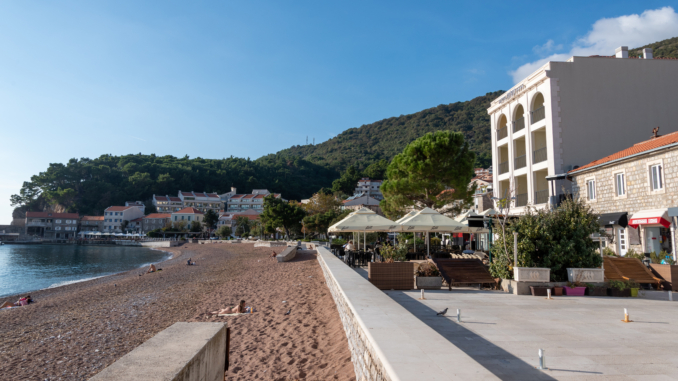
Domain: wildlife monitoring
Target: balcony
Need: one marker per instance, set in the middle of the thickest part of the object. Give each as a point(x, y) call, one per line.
point(541, 197)
point(503, 167)
point(539, 155)
point(502, 133)
point(518, 125)
point(521, 199)
point(520, 162)
point(538, 114)
point(39, 224)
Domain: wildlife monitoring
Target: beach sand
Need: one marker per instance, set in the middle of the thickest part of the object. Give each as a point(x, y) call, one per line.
point(75, 331)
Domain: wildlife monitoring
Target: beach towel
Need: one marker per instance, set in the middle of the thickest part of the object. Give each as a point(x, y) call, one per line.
point(236, 314)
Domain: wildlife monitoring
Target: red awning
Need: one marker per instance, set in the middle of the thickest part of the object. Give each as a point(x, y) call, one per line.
point(654, 217)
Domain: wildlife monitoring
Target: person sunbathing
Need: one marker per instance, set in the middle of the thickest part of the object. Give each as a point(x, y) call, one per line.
point(151, 269)
point(21, 302)
point(189, 262)
point(239, 309)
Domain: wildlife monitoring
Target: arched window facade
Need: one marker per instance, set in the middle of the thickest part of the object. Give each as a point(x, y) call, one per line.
point(502, 130)
point(538, 111)
point(519, 118)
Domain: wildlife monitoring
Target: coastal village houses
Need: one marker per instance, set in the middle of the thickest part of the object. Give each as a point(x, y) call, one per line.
point(155, 221)
point(186, 216)
point(201, 201)
point(237, 203)
point(92, 224)
point(570, 113)
point(50, 225)
point(635, 191)
point(115, 215)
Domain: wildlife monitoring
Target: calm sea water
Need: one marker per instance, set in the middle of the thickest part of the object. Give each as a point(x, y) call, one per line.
point(26, 268)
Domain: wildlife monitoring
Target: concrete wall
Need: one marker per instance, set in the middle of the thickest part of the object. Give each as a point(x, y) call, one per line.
point(182, 352)
point(386, 341)
point(287, 254)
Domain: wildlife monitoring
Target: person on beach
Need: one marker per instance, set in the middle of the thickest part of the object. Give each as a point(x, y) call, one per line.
point(239, 309)
point(189, 262)
point(151, 269)
point(21, 302)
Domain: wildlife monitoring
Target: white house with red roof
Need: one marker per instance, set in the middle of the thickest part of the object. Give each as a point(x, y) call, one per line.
point(567, 114)
point(50, 225)
point(167, 204)
point(155, 221)
point(188, 215)
point(115, 215)
point(202, 201)
point(238, 203)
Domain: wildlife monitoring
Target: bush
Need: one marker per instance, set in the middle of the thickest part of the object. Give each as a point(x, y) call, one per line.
point(338, 241)
point(394, 253)
point(634, 254)
point(556, 238)
point(435, 241)
point(663, 256)
point(427, 269)
point(609, 252)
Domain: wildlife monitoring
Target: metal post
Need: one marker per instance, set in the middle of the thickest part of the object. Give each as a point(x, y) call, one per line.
point(542, 359)
point(673, 238)
point(458, 315)
point(515, 249)
point(670, 296)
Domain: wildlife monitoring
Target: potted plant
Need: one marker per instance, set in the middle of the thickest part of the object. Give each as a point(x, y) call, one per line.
point(558, 291)
point(575, 289)
point(593, 290)
point(619, 288)
point(633, 286)
point(393, 273)
point(428, 277)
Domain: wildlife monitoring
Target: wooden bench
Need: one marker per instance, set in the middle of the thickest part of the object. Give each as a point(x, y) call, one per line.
point(457, 271)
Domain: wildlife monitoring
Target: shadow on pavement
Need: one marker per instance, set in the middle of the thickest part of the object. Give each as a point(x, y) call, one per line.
point(501, 363)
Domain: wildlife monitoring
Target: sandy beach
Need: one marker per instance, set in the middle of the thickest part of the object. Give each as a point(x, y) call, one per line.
point(74, 331)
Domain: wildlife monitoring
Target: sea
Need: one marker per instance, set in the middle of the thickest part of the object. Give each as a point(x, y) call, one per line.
point(25, 268)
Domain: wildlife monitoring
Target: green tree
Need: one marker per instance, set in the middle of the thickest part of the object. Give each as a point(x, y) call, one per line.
point(196, 227)
point(347, 182)
point(242, 226)
point(282, 214)
point(555, 238)
point(433, 171)
point(224, 231)
point(376, 170)
point(210, 220)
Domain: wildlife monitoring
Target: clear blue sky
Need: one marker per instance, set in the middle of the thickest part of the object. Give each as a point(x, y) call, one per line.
point(248, 78)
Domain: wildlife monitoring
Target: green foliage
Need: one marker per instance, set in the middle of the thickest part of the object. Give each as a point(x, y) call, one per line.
point(662, 256)
point(557, 239)
point(123, 225)
point(394, 253)
point(242, 226)
point(434, 171)
point(224, 231)
point(661, 49)
point(281, 214)
point(196, 227)
point(619, 285)
point(347, 182)
point(634, 254)
point(435, 241)
point(608, 251)
point(338, 241)
point(211, 218)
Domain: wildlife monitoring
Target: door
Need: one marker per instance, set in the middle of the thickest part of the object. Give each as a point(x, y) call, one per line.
point(653, 240)
point(621, 238)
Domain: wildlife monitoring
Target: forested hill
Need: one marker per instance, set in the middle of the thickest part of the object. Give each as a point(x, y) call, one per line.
point(663, 49)
point(384, 139)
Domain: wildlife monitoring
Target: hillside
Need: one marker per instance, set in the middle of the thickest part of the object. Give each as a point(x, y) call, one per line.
point(384, 139)
point(663, 49)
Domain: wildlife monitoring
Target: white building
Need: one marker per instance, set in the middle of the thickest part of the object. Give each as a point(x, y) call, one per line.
point(187, 216)
point(370, 188)
point(238, 203)
point(567, 114)
point(115, 215)
point(202, 201)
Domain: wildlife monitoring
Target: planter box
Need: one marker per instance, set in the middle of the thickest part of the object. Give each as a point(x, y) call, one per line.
point(531, 274)
point(597, 291)
point(574, 291)
point(429, 282)
point(391, 276)
point(558, 291)
point(667, 272)
point(619, 293)
point(586, 275)
point(539, 291)
point(634, 292)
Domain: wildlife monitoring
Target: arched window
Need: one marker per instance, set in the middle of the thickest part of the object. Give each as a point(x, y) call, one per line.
point(538, 111)
point(519, 119)
point(502, 131)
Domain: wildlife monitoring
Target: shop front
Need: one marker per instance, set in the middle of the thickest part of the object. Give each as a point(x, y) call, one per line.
point(656, 230)
point(615, 226)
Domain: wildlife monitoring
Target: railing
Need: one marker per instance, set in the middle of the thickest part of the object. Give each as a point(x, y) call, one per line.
point(541, 197)
point(538, 114)
point(502, 133)
point(518, 124)
point(520, 162)
point(503, 167)
point(539, 155)
point(521, 199)
point(38, 224)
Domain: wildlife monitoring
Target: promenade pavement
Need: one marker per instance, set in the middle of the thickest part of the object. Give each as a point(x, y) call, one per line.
point(583, 337)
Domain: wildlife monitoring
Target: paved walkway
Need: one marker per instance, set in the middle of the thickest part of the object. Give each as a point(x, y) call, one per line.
point(583, 337)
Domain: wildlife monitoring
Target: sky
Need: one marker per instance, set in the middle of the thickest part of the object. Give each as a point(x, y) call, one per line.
point(248, 78)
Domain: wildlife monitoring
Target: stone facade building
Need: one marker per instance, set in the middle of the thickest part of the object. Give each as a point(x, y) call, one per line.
point(92, 224)
point(155, 221)
point(636, 193)
point(50, 225)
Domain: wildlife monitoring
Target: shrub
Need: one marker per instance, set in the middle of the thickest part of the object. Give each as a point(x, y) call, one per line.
point(394, 253)
point(619, 285)
point(663, 256)
point(608, 251)
point(427, 269)
point(435, 241)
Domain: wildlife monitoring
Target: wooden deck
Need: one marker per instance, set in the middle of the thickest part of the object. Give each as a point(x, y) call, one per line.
point(628, 268)
point(471, 271)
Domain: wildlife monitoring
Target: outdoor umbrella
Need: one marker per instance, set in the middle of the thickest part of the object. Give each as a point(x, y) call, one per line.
point(428, 220)
point(364, 220)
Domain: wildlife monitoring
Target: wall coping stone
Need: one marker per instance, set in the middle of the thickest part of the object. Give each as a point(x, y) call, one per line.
point(407, 348)
point(287, 254)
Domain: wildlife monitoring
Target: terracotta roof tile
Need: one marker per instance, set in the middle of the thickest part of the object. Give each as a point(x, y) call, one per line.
point(237, 196)
point(92, 218)
point(213, 195)
point(189, 210)
point(158, 215)
point(174, 199)
point(137, 219)
point(636, 149)
point(118, 208)
point(259, 196)
point(200, 195)
point(160, 198)
point(51, 215)
point(248, 196)
point(187, 194)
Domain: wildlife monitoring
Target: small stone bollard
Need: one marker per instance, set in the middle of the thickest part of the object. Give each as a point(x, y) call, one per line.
point(542, 359)
point(626, 316)
point(422, 295)
point(458, 315)
point(548, 294)
point(670, 296)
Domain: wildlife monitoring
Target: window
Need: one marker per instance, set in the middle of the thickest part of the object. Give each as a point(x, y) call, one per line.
point(620, 184)
point(591, 189)
point(656, 177)
point(58, 221)
point(57, 228)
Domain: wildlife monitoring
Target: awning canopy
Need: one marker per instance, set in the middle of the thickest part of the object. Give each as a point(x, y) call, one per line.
point(405, 217)
point(364, 220)
point(650, 217)
point(428, 220)
point(618, 218)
